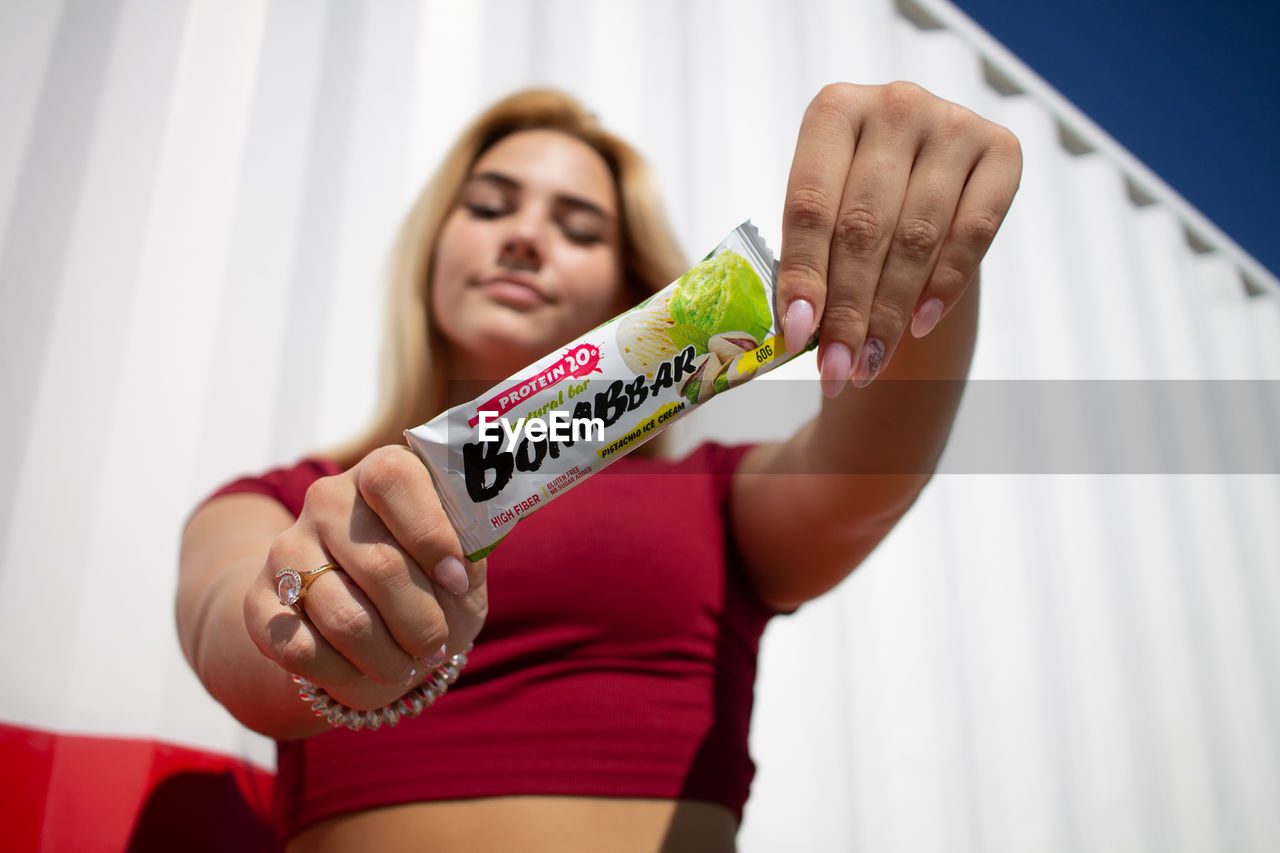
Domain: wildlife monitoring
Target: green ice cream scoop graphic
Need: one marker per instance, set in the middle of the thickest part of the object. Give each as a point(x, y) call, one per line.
point(723, 295)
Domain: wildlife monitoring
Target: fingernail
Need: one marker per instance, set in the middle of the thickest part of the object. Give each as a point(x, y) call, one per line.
point(797, 325)
point(926, 318)
point(413, 673)
point(452, 575)
point(869, 363)
point(435, 660)
point(834, 370)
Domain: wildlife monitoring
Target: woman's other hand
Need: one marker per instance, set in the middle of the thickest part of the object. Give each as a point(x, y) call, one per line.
point(893, 199)
point(373, 630)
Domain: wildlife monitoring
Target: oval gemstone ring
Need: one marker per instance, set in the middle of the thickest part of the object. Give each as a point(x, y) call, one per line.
point(292, 585)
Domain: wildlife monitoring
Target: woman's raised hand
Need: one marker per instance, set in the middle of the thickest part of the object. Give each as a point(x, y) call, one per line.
point(377, 627)
point(893, 199)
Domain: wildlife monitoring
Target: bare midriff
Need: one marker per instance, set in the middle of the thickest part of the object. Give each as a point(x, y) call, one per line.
point(530, 825)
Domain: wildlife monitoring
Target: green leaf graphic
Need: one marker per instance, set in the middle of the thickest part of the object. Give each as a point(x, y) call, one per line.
point(684, 334)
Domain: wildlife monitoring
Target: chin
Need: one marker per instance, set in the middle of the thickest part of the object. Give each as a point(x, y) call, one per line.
point(499, 343)
point(499, 356)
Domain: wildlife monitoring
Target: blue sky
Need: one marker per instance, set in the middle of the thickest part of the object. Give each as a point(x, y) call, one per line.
point(1190, 88)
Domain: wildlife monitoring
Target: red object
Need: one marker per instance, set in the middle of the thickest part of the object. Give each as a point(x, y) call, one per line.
point(62, 793)
point(618, 659)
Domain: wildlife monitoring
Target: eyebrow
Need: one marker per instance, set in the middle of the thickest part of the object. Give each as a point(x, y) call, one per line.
point(572, 200)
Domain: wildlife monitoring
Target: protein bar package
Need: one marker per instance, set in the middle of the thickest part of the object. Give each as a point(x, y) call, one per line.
point(515, 448)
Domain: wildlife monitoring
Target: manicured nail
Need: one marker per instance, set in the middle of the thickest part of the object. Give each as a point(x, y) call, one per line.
point(869, 363)
point(413, 673)
point(452, 575)
point(837, 361)
point(797, 325)
point(926, 318)
point(435, 660)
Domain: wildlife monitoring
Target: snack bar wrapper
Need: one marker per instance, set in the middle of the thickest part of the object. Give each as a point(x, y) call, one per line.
point(581, 408)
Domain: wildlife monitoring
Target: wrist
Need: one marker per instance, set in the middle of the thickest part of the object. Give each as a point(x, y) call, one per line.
point(410, 704)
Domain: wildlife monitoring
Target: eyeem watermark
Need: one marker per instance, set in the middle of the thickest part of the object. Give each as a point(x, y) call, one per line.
point(557, 426)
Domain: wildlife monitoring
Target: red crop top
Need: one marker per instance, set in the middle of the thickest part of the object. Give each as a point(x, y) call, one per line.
point(618, 659)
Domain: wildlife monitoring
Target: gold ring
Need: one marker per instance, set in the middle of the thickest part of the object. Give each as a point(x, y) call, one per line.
point(292, 585)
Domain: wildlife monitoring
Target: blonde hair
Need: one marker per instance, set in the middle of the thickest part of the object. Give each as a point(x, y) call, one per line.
point(415, 373)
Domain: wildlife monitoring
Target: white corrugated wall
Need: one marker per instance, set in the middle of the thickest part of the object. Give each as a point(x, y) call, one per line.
point(196, 200)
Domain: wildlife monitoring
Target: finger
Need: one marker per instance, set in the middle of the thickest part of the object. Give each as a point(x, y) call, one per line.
point(296, 645)
point(393, 588)
point(285, 635)
point(332, 516)
point(982, 208)
point(869, 214)
point(352, 624)
point(466, 614)
point(928, 207)
point(823, 153)
point(397, 487)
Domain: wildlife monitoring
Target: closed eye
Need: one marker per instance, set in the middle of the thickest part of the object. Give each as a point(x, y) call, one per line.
point(484, 211)
point(581, 222)
point(582, 238)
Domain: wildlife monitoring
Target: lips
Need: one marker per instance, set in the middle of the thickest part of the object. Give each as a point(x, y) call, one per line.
point(514, 291)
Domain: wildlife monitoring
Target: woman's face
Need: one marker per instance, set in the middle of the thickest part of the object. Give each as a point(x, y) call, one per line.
point(529, 258)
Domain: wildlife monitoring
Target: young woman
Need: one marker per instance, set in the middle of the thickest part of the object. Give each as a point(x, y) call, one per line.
point(605, 704)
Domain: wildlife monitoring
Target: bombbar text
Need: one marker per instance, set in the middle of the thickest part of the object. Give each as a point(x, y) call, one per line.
point(488, 466)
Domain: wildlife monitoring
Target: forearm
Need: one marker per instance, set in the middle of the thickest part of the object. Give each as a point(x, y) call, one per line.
point(253, 688)
point(224, 547)
point(820, 502)
point(891, 433)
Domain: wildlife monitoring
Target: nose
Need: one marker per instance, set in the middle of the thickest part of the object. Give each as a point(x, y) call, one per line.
point(523, 245)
